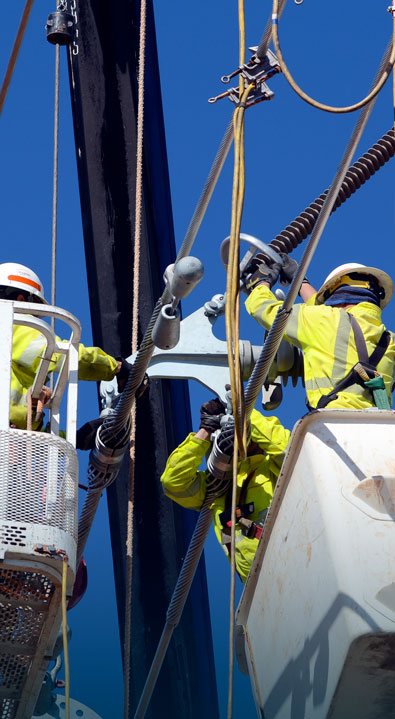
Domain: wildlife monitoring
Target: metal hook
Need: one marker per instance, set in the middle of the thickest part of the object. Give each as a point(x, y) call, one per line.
point(298, 2)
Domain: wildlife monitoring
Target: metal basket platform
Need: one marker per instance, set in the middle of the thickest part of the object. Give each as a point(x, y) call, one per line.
point(38, 510)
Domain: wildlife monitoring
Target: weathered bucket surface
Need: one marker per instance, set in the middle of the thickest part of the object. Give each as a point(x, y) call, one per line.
point(316, 622)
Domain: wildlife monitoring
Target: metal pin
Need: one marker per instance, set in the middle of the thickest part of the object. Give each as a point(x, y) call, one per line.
point(227, 78)
point(219, 97)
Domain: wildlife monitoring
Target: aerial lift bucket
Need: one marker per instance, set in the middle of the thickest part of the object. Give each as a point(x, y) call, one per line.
point(38, 517)
point(316, 622)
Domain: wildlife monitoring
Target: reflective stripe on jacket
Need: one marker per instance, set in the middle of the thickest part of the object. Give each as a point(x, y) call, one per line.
point(326, 338)
point(27, 347)
point(185, 484)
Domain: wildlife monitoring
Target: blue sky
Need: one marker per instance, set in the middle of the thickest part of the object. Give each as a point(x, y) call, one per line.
point(292, 152)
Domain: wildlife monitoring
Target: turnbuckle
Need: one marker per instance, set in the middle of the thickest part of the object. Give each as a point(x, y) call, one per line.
point(256, 71)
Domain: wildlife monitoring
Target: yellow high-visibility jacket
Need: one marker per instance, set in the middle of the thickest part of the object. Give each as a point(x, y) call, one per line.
point(185, 484)
point(327, 340)
point(27, 346)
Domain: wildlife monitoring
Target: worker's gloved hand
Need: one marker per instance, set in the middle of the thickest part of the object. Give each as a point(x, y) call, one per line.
point(289, 270)
point(260, 269)
point(210, 415)
point(87, 433)
point(123, 374)
point(122, 378)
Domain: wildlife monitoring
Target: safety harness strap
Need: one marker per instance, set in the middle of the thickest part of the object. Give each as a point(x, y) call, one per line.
point(364, 372)
point(249, 528)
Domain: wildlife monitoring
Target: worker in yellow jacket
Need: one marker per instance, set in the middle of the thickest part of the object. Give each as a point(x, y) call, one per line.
point(339, 328)
point(184, 483)
point(21, 284)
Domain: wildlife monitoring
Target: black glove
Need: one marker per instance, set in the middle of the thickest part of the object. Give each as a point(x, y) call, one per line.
point(289, 270)
point(261, 269)
point(87, 433)
point(123, 374)
point(210, 415)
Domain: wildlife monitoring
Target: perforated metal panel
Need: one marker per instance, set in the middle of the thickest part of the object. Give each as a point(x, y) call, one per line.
point(38, 508)
point(24, 602)
point(38, 484)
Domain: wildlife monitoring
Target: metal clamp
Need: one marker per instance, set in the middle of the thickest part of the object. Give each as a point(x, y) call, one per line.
point(256, 71)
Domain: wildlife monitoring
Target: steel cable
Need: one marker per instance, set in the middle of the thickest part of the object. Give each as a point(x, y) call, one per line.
point(177, 602)
point(381, 79)
point(277, 330)
point(55, 190)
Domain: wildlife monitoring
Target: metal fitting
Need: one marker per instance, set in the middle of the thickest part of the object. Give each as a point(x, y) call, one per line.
point(166, 330)
point(256, 71)
point(59, 28)
point(216, 306)
point(183, 276)
point(258, 94)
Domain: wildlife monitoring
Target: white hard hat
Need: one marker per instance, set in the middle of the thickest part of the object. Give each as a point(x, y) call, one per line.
point(22, 278)
point(383, 280)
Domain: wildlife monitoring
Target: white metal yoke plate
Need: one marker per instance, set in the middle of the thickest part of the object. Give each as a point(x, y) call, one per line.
point(324, 572)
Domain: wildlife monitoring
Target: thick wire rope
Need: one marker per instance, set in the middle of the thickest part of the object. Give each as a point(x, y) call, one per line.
point(277, 330)
point(15, 52)
point(55, 178)
point(177, 602)
point(268, 33)
point(55, 190)
point(65, 638)
point(135, 320)
point(381, 80)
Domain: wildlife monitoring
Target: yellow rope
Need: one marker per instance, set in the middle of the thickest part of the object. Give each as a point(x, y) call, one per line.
point(232, 307)
point(232, 320)
point(135, 318)
point(15, 52)
point(65, 641)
